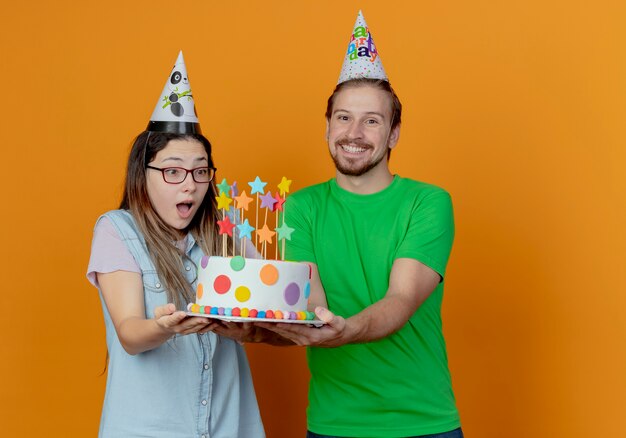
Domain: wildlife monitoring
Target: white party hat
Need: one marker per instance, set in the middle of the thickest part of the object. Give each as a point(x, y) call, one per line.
point(175, 112)
point(362, 58)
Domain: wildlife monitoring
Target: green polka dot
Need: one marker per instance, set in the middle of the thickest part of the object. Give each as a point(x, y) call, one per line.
point(237, 263)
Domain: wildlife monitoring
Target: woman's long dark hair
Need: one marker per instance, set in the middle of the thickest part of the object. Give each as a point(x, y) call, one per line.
point(160, 238)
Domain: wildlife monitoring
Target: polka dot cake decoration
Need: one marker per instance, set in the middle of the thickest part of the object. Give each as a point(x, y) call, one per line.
point(253, 288)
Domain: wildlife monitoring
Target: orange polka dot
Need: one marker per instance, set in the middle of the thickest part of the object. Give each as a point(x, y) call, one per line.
point(269, 274)
point(199, 291)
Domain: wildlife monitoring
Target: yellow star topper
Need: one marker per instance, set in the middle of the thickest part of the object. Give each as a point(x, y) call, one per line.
point(223, 201)
point(284, 186)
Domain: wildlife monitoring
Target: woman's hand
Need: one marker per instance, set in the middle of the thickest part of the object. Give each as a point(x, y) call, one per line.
point(178, 322)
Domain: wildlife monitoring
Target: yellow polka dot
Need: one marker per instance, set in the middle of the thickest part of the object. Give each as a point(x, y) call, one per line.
point(242, 294)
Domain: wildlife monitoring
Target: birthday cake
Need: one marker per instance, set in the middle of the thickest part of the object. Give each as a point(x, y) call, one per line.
point(253, 288)
point(241, 287)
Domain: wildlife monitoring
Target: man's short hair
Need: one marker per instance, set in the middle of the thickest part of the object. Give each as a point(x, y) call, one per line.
point(396, 106)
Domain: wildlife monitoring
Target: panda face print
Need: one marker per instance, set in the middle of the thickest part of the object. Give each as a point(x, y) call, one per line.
point(179, 101)
point(177, 78)
point(177, 107)
point(176, 103)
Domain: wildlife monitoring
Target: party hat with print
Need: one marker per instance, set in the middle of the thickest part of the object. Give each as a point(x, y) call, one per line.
point(175, 112)
point(362, 59)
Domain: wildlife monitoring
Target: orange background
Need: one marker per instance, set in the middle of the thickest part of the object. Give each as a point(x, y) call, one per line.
point(517, 108)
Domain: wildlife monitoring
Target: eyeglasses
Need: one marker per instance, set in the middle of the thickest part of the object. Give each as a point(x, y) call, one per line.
point(176, 175)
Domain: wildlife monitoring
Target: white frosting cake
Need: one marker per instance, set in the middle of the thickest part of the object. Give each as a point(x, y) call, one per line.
point(253, 288)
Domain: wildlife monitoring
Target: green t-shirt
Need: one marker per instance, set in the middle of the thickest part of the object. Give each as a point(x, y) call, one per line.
point(398, 386)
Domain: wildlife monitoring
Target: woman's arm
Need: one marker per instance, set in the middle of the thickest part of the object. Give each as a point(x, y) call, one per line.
point(124, 297)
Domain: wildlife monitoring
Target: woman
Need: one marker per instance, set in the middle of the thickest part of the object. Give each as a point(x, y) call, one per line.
point(169, 375)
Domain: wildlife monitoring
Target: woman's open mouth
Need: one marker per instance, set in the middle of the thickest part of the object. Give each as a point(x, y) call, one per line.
point(184, 209)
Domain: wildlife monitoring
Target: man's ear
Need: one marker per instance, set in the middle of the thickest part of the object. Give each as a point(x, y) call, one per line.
point(394, 136)
point(327, 129)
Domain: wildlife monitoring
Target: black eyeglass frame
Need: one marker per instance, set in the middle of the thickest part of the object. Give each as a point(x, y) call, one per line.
point(188, 171)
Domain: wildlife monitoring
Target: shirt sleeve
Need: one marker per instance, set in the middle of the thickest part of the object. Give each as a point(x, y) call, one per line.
point(109, 253)
point(430, 232)
point(298, 216)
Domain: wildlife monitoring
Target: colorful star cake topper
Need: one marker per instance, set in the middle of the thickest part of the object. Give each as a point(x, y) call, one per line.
point(279, 202)
point(243, 201)
point(245, 230)
point(268, 201)
point(226, 226)
point(272, 203)
point(223, 187)
point(265, 234)
point(175, 112)
point(223, 201)
point(284, 231)
point(362, 59)
point(257, 186)
point(283, 186)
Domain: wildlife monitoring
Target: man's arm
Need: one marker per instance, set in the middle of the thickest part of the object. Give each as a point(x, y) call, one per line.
point(410, 283)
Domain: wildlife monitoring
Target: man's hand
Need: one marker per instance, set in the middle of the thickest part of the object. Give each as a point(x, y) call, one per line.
point(333, 334)
point(239, 331)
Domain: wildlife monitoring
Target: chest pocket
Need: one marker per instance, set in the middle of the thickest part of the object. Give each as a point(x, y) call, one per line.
point(154, 292)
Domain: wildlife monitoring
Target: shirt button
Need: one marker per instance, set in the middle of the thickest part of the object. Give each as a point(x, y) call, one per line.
point(206, 366)
point(187, 268)
point(203, 402)
point(157, 285)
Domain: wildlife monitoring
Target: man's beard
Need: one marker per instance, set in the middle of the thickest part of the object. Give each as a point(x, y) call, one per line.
point(348, 169)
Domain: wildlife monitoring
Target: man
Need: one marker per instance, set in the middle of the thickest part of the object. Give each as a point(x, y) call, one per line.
point(378, 245)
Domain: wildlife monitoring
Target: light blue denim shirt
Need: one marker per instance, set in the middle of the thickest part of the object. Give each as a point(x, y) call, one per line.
point(190, 386)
